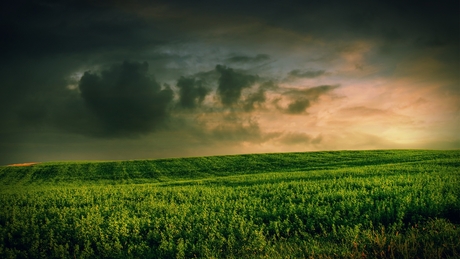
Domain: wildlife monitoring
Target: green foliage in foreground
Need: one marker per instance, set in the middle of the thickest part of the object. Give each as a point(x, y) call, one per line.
point(374, 204)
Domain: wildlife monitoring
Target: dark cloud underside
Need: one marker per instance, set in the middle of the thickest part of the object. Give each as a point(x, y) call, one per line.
point(125, 99)
point(191, 92)
point(231, 83)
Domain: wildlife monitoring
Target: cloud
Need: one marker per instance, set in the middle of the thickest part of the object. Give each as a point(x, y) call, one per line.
point(237, 129)
point(191, 92)
point(301, 99)
point(248, 59)
point(32, 90)
point(370, 45)
point(125, 100)
point(253, 99)
point(298, 106)
point(312, 93)
point(258, 98)
point(231, 83)
point(296, 73)
point(45, 28)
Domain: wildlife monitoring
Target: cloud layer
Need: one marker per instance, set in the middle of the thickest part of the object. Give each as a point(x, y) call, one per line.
point(122, 80)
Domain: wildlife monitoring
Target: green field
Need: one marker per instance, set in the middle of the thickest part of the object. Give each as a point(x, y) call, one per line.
point(343, 204)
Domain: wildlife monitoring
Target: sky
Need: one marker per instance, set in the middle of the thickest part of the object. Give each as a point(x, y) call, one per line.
point(117, 80)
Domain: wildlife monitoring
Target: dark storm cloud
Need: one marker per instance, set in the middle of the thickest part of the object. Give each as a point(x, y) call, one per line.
point(44, 28)
point(303, 98)
point(32, 96)
point(125, 99)
point(296, 73)
point(46, 41)
point(231, 83)
point(207, 77)
point(120, 101)
point(51, 27)
point(248, 59)
point(334, 19)
point(30, 88)
point(191, 92)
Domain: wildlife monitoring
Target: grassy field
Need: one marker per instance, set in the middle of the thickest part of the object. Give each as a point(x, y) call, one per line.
point(343, 204)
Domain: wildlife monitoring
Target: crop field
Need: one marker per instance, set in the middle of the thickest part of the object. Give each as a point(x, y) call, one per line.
point(341, 204)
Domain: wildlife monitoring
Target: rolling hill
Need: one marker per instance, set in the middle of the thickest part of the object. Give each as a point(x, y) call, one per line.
point(340, 204)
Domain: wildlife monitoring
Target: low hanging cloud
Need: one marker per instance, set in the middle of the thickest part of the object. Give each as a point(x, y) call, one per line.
point(125, 100)
point(191, 92)
point(231, 83)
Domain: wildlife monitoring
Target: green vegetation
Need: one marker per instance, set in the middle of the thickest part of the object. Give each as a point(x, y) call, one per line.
point(344, 204)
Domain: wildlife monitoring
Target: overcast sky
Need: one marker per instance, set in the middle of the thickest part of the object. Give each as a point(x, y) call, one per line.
point(105, 80)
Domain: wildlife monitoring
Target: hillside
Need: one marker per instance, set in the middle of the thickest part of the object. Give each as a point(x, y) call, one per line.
point(342, 204)
point(166, 170)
